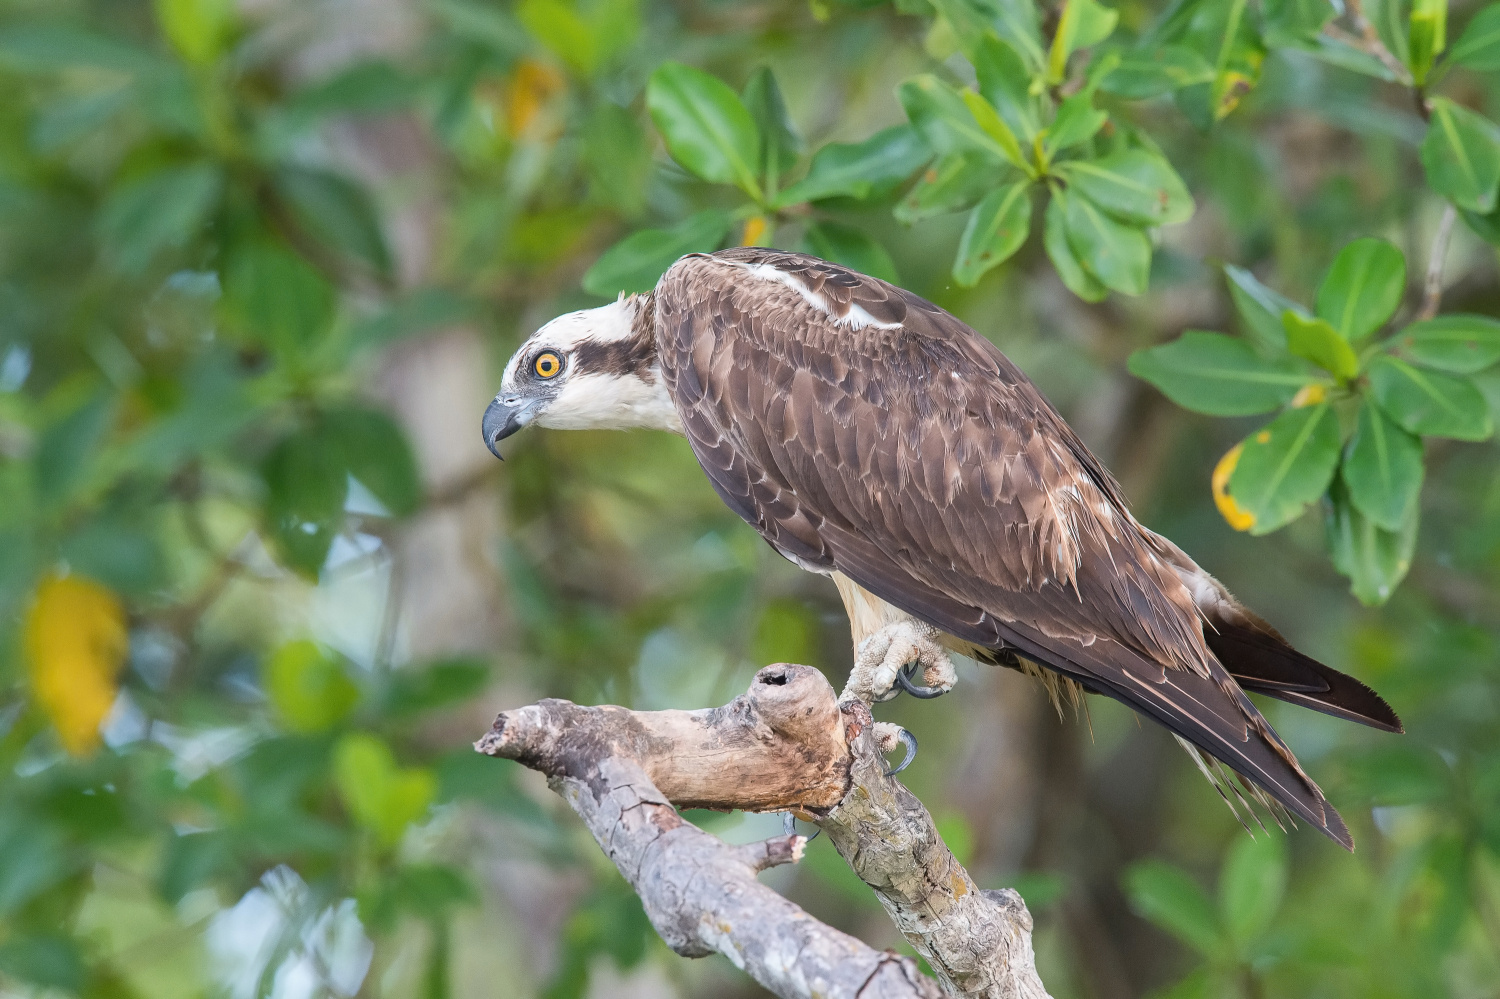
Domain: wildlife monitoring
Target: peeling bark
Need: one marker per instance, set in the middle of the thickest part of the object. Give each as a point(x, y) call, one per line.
point(785, 745)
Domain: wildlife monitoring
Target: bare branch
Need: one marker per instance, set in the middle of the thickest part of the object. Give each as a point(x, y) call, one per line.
point(1432, 289)
point(786, 744)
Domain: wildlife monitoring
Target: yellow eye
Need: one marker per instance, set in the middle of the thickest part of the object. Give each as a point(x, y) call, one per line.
point(547, 364)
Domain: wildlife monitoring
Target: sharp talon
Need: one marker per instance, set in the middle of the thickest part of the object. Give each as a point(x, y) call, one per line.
point(789, 827)
point(910, 742)
point(903, 680)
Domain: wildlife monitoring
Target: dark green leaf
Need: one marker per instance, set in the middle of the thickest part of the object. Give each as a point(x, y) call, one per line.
point(375, 452)
point(953, 183)
point(780, 145)
point(32, 859)
point(1158, 70)
point(1383, 468)
point(50, 960)
point(1005, 84)
point(419, 688)
point(706, 127)
point(1321, 344)
point(1429, 403)
point(66, 444)
point(1464, 344)
point(1219, 375)
point(191, 859)
point(338, 213)
point(1286, 465)
point(945, 121)
point(276, 297)
point(160, 211)
point(1375, 560)
point(639, 260)
point(1261, 309)
point(51, 47)
point(849, 246)
point(306, 484)
point(1167, 896)
point(373, 87)
point(1479, 45)
point(1252, 884)
point(1132, 185)
point(1069, 268)
point(997, 227)
point(1118, 254)
point(1461, 154)
point(1362, 288)
point(861, 169)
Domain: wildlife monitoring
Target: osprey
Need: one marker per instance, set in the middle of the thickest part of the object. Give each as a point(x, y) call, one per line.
point(872, 437)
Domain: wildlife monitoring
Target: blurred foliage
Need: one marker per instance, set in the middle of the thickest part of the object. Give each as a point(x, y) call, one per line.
point(222, 768)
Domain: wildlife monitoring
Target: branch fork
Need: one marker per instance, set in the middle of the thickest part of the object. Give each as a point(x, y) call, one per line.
point(786, 744)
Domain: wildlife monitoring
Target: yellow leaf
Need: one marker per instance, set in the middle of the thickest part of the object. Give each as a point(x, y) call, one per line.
point(1238, 518)
point(531, 87)
point(75, 644)
point(1309, 395)
point(755, 228)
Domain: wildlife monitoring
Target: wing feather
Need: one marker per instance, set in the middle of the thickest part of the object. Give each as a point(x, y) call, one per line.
point(863, 429)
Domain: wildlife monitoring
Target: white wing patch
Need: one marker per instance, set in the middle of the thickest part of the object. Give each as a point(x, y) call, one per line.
point(857, 318)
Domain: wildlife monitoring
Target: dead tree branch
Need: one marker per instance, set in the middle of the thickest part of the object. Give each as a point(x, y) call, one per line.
point(786, 744)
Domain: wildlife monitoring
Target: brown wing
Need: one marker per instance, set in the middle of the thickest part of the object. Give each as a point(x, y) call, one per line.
point(861, 428)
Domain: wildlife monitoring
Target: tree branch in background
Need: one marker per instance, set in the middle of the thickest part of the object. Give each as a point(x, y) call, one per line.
point(1432, 289)
point(786, 744)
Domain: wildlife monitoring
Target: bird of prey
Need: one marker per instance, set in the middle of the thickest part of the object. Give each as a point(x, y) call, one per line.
point(872, 437)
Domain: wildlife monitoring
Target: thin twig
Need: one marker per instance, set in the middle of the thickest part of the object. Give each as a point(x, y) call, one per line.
point(1369, 41)
point(1432, 289)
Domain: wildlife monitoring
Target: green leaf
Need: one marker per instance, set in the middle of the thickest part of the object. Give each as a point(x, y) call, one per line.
point(849, 246)
point(1261, 309)
point(997, 227)
point(52, 47)
point(780, 145)
point(998, 130)
point(1383, 468)
point(338, 213)
point(639, 260)
point(582, 40)
point(1005, 84)
point(1429, 403)
point(1077, 122)
point(1479, 45)
point(368, 87)
point(50, 960)
point(940, 114)
point(1069, 268)
point(1133, 185)
point(1119, 255)
point(1170, 898)
point(1160, 69)
point(161, 211)
point(1237, 69)
point(308, 688)
point(1083, 23)
point(1375, 560)
point(199, 29)
point(375, 452)
point(276, 297)
point(1252, 884)
point(706, 127)
point(1428, 36)
point(860, 169)
point(306, 485)
point(953, 183)
point(1218, 375)
point(1460, 343)
point(1362, 288)
point(416, 689)
point(1286, 465)
point(1321, 344)
point(1461, 155)
point(380, 796)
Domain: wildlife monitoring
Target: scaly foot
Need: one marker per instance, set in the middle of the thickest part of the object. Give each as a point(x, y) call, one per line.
point(882, 655)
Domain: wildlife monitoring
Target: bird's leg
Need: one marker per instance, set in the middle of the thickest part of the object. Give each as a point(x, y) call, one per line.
point(883, 654)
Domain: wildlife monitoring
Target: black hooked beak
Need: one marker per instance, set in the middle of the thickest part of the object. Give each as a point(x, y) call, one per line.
point(500, 421)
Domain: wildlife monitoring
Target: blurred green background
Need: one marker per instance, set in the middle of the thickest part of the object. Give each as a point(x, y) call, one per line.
point(262, 261)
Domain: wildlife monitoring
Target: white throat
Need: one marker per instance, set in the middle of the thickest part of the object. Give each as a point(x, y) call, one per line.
point(613, 402)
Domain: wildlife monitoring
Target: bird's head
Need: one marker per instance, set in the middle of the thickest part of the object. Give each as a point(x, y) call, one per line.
point(591, 370)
